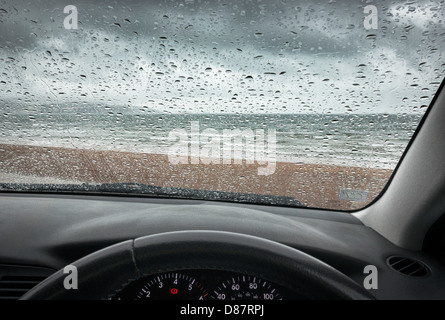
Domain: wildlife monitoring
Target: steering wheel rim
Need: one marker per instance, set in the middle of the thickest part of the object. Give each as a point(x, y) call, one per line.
point(107, 271)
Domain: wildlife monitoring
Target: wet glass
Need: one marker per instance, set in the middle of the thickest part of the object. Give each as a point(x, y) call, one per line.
point(283, 102)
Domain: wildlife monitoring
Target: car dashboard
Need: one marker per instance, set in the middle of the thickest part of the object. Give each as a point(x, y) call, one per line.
point(43, 233)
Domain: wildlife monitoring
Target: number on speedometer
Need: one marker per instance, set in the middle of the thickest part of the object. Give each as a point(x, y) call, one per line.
point(165, 286)
point(245, 287)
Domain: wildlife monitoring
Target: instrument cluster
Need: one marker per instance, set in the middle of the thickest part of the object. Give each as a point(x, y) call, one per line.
point(204, 285)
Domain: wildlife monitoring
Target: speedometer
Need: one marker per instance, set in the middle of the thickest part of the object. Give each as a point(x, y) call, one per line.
point(205, 284)
point(245, 287)
point(164, 286)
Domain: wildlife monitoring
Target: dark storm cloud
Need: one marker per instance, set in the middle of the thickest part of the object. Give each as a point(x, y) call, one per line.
point(15, 35)
point(286, 26)
point(268, 26)
point(120, 44)
point(306, 27)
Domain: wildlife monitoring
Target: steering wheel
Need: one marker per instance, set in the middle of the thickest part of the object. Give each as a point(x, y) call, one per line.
point(107, 271)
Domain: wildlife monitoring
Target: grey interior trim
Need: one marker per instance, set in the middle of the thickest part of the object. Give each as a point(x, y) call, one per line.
point(415, 198)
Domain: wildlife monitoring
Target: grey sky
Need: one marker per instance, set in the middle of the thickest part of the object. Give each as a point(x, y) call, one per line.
point(223, 56)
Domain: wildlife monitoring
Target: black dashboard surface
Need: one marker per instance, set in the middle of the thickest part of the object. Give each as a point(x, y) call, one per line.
point(52, 231)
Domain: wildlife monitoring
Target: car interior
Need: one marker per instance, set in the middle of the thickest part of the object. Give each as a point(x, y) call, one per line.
point(132, 245)
point(322, 253)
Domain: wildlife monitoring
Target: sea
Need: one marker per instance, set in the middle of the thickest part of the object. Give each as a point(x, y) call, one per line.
point(361, 140)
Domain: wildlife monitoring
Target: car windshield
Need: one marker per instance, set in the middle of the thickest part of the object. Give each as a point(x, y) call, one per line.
point(282, 102)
